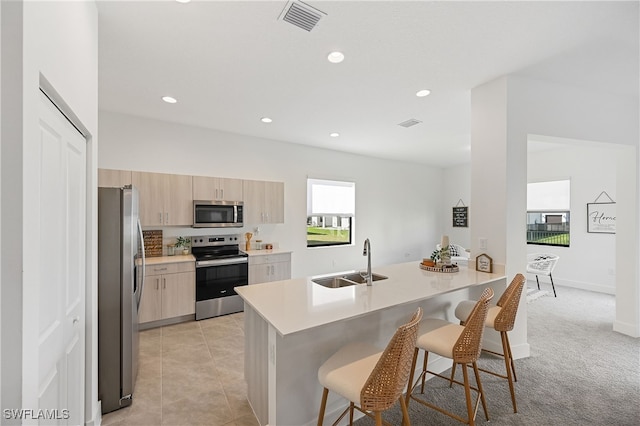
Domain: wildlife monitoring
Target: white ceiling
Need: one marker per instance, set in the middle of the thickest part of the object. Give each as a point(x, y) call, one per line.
point(229, 63)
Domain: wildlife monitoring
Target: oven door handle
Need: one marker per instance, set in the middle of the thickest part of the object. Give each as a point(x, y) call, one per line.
point(216, 262)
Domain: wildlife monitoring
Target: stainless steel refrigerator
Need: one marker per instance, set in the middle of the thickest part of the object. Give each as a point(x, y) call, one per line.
point(120, 282)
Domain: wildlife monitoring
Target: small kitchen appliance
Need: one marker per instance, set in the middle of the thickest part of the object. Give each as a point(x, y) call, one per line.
point(218, 214)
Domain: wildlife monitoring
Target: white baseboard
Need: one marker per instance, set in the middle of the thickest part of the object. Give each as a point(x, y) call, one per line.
point(546, 285)
point(626, 329)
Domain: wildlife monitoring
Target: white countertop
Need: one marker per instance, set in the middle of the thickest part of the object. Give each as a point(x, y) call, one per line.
point(299, 304)
point(266, 252)
point(169, 259)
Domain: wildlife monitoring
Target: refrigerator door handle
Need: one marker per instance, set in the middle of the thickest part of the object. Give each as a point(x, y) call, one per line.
point(144, 265)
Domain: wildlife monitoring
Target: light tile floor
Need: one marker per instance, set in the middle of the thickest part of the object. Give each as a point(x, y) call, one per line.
point(190, 374)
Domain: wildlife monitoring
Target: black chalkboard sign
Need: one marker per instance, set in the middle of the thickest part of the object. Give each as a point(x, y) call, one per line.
point(461, 217)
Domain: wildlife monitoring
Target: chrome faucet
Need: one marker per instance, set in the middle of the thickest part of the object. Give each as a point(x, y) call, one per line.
point(367, 252)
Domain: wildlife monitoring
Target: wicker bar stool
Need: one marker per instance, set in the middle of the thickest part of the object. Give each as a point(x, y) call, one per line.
point(373, 379)
point(462, 345)
point(501, 318)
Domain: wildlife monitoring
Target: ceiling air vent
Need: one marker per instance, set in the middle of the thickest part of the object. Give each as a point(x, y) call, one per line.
point(410, 122)
point(301, 15)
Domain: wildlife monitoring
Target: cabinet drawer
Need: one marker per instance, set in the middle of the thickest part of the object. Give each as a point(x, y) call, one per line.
point(269, 258)
point(170, 268)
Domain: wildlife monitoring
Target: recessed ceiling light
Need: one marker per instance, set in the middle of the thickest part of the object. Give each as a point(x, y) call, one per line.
point(266, 120)
point(335, 57)
point(334, 135)
point(169, 99)
point(183, 1)
point(423, 93)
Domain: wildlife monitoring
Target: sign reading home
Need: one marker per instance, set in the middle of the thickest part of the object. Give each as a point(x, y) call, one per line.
point(460, 217)
point(601, 218)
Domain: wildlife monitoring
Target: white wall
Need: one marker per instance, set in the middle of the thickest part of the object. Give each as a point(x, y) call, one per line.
point(398, 204)
point(457, 186)
point(56, 42)
point(590, 260)
point(504, 113)
point(544, 108)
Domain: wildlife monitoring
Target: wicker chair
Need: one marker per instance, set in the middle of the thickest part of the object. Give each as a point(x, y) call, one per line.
point(542, 264)
point(501, 318)
point(374, 379)
point(462, 345)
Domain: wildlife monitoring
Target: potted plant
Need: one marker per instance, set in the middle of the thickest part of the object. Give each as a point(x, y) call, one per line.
point(182, 242)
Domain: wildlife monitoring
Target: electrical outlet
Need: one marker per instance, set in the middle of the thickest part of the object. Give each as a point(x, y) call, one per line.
point(483, 243)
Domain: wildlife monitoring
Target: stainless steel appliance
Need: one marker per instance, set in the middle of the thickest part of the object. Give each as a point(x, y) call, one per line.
point(120, 280)
point(218, 214)
point(220, 266)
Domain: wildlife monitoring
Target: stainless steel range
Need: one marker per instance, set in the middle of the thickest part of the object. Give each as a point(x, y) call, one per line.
point(220, 266)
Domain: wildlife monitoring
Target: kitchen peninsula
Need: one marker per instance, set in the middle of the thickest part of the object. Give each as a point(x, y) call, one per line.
point(293, 326)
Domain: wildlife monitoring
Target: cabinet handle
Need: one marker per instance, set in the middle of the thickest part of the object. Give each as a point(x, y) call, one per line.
point(164, 283)
point(222, 194)
point(160, 218)
point(217, 194)
point(157, 283)
point(159, 269)
point(272, 270)
point(166, 218)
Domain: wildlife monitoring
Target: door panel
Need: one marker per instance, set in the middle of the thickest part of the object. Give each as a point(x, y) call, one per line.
point(60, 307)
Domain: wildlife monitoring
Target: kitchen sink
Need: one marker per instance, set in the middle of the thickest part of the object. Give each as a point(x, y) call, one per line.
point(345, 279)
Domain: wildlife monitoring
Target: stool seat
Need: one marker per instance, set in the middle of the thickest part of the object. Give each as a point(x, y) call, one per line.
point(438, 336)
point(500, 318)
point(373, 379)
point(465, 307)
point(460, 343)
point(346, 371)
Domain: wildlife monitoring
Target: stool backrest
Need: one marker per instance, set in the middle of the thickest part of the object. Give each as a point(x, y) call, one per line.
point(467, 348)
point(509, 302)
point(388, 379)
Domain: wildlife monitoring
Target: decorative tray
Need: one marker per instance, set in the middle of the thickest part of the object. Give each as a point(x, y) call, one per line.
point(449, 269)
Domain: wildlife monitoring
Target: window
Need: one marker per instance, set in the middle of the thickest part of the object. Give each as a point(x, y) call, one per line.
point(330, 212)
point(548, 213)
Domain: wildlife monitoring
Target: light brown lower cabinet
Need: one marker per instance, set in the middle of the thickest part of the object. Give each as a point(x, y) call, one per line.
point(169, 291)
point(270, 267)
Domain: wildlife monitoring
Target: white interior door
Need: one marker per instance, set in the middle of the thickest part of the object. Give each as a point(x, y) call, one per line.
point(61, 289)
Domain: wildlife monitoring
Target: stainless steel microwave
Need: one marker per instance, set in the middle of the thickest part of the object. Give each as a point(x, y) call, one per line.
point(217, 214)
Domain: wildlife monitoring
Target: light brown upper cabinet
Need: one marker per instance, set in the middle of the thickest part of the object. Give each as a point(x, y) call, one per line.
point(215, 188)
point(114, 178)
point(263, 202)
point(165, 199)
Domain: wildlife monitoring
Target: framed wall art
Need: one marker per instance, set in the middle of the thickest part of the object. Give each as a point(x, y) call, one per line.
point(601, 218)
point(460, 215)
point(484, 263)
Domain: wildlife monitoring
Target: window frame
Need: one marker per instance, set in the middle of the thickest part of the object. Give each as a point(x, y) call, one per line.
point(341, 213)
point(559, 230)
